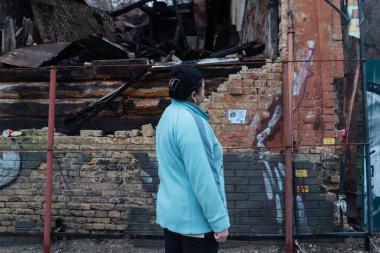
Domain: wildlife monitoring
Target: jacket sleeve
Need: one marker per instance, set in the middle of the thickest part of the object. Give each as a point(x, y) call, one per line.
point(196, 151)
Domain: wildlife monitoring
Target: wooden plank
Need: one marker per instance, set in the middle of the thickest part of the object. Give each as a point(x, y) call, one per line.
point(28, 28)
point(64, 108)
point(95, 89)
point(254, 22)
point(272, 38)
point(109, 73)
point(8, 37)
point(75, 90)
point(67, 74)
point(107, 124)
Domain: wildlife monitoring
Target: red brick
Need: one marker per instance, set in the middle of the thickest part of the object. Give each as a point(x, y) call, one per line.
point(262, 76)
point(242, 83)
point(311, 103)
point(328, 96)
point(274, 83)
point(302, 149)
point(328, 87)
point(308, 127)
point(328, 118)
point(250, 90)
point(251, 75)
point(217, 97)
point(310, 115)
point(274, 76)
point(328, 103)
point(329, 134)
point(329, 126)
point(329, 111)
point(233, 90)
point(326, 149)
point(308, 134)
point(260, 83)
point(308, 141)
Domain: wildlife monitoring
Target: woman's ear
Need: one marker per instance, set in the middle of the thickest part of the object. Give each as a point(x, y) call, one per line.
point(194, 95)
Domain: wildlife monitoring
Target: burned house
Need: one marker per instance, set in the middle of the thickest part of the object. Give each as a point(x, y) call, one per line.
point(83, 41)
point(113, 62)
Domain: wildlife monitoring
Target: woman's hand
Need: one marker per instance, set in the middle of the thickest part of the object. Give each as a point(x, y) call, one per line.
point(221, 236)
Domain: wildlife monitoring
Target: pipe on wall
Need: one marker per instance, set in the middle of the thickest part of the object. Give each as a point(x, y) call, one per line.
point(288, 139)
point(49, 161)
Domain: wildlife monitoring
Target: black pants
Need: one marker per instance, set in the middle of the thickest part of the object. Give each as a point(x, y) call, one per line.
point(177, 243)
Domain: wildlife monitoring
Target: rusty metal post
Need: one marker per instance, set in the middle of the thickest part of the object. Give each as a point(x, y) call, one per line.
point(288, 139)
point(49, 162)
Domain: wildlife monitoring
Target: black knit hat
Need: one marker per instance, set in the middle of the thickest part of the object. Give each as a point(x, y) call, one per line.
point(184, 80)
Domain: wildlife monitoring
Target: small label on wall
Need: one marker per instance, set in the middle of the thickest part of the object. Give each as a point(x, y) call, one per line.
point(237, 116)
point(302, 188)
point(328, 141)
point(301, 173)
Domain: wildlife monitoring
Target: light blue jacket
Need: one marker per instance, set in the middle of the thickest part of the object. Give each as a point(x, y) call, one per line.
point(191, 198)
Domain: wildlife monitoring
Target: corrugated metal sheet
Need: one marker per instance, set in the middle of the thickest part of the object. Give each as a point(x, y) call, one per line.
point(33, 56)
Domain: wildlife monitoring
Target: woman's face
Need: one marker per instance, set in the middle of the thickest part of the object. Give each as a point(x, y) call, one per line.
point(200, 95)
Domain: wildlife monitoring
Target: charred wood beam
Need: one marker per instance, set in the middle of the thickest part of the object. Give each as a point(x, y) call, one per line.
point(147, 10)
point(108, 124)
point(100, 103)
point(179, 36)
point(83, 90)
point(155, 86)
point(112, 73)
point(8, 36)
point(233, 50)
point(124, 70)
point(105, 49)
point(252, 51)
point(212, 12)
point(153, 49)
point(150, 42)
point(28, 30)
point(273, 21)
point(39, 108)
point(201, 21)
point(129, 8)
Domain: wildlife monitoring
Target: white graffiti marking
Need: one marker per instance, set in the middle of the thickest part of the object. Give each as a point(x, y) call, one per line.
point(270, 183)
point(9, 167)
point(267, 131)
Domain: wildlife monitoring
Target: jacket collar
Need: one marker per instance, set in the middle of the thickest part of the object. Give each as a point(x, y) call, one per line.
point(192, 107)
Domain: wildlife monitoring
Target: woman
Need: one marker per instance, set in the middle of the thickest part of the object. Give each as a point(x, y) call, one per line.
point(191, 203)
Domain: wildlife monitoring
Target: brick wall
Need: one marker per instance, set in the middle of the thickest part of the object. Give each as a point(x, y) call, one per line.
point(93, 190)
point(258, 92)
point(109, 184)
point(318, 49)
point(318, 41)
point(99, 187)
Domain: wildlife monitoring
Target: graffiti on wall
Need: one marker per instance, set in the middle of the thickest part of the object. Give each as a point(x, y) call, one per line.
point(274, 186)
point(273, 177)
point(303, 73)
point(269, 129)
point(10, 166)
point(374, 132)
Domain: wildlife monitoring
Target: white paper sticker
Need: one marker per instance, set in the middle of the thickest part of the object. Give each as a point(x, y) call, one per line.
point(237, 116)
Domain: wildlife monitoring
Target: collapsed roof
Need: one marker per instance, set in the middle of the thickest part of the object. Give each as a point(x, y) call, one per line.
point(163, 31)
